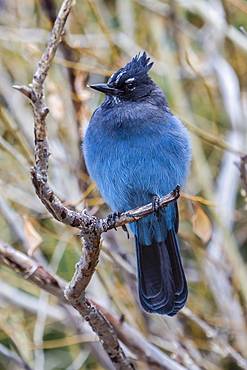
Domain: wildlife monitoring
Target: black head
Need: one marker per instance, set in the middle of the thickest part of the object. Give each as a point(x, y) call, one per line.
point(130, 82)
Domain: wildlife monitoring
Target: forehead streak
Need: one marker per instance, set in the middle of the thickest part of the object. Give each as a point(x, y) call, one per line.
point(119, 76)
point(130, 80)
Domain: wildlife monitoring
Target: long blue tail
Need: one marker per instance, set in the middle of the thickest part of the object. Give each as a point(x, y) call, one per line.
point(162, 283)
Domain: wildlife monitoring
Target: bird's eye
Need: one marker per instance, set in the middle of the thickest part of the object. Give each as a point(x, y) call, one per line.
point(130, 85)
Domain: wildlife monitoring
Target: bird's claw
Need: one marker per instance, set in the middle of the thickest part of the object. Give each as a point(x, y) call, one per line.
point(111, 219)
point(157, 209)
point(124, 227)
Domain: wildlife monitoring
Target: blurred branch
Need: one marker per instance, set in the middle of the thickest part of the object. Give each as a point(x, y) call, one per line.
point(239, 4)
point(146, 351)
point(51, 283)
point(28, 268)
point(19, 361)
point(103, 27)
point(207, 12)
point(243, 30)
point(223, 247)
point(210, 138)
point(214, 336)
point(11, 150)
point(71, 57)
point(195, 198)
point(210, 15)
point(12, 127)
point(243, 171)
point(83, 67)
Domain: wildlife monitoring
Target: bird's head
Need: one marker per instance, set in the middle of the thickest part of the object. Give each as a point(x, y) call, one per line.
point(130, 83)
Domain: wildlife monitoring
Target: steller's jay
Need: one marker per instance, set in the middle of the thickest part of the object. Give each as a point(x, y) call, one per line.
point(135, 149)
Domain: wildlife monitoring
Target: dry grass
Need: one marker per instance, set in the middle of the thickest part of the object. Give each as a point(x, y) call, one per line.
point(200, 62)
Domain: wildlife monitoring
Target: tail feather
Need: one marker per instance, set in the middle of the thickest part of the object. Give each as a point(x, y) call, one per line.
point(162, 282)
point(176, 263)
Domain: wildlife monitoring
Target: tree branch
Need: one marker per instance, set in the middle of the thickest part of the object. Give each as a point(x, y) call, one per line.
point(74, 293)
point(30, 270)
point(91, 227)
point(37, 274)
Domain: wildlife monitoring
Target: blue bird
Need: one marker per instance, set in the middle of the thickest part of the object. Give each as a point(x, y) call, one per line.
point(135, 149)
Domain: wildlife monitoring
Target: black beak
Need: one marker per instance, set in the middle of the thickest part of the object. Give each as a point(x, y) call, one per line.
point(105, 89)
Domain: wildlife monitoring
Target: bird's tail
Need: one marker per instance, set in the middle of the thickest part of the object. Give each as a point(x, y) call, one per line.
point(162, 283)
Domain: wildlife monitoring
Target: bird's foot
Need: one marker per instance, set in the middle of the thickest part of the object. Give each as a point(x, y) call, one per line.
point(111, 218)
point(157, 209)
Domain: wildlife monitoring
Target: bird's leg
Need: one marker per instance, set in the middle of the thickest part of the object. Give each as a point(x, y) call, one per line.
point(157, 209)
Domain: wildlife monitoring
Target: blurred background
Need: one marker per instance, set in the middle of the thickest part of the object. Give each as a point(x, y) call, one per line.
point(199, 50)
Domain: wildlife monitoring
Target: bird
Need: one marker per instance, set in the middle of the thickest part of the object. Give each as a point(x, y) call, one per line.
point(136, 150)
